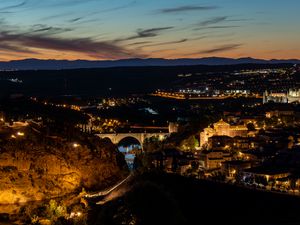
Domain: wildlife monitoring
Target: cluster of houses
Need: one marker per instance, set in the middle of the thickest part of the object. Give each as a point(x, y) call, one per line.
point(255, 157)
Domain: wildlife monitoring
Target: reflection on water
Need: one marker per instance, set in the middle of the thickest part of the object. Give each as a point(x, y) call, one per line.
point(129, 152)
point(130, 160)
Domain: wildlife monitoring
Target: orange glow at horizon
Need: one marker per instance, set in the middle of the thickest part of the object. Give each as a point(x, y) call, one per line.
point(155, 53)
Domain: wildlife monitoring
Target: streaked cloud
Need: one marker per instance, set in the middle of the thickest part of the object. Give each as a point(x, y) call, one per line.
point(94, 29)
point(139, 43)
point(13, 48)
point(214, 20)
point(217, 27)
point(166, 43)
point(75, 19)
point(145, 33)
point(222, 48)
point(45, 29)
point(13, 6)
point(34, 43)
point(187, 8)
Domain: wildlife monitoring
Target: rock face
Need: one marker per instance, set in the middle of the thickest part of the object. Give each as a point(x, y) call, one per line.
point(34, 169)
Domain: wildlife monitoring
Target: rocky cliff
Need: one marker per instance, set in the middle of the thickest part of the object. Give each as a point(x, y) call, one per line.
point(35, 168)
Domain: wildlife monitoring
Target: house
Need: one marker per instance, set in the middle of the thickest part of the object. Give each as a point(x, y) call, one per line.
point(213, 159)
point(220, 143)
point(222, 128)
point(231, 168)
point(265, 174)
point(172, 160)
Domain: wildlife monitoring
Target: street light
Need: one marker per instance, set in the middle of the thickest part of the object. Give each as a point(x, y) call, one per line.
point(75, 145)
point(21, 134)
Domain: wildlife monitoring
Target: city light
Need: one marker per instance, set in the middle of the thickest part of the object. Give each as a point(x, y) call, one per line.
point(21, 134)
point(135, 112)
point(75, 214)
point(75, 145)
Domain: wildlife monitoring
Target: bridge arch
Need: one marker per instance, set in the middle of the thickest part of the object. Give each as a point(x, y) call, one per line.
point(130, 138)
point(140, 137)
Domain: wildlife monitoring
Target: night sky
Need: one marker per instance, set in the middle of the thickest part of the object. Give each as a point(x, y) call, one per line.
point(115, 29)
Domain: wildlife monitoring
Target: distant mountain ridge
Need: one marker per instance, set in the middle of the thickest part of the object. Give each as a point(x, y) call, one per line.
point(37, 64)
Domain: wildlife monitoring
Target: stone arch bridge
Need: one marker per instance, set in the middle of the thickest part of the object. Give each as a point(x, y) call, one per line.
point(141, 137)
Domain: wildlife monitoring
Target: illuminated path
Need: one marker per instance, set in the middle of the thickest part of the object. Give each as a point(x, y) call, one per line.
point(108, 191)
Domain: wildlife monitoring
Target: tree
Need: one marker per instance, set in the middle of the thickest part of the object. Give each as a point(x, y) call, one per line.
point(251, 127)
point(189, 144)
point(55, 211)
point(152, 145)
point(261, 180)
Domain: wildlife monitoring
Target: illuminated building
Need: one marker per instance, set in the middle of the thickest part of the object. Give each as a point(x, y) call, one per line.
point(293, 95)
point(267, 173)
point(213, 159)
point(220, 143)
point(232, 168)
point(278, 113)
point(173, 127)
point(274, 97)
point(222, 128)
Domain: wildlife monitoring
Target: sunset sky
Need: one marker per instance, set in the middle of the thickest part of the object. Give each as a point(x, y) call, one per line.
point(115, 29)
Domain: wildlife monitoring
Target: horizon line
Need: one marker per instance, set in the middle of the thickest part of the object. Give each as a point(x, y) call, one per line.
point(137, 58)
